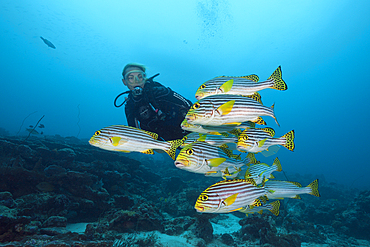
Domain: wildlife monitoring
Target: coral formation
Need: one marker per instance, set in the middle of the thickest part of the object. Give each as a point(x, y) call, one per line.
point(131, 199)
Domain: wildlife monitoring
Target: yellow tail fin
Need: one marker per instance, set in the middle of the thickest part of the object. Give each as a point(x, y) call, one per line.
point(279, 83)
point(174, 145)
point(315, 188)
point(289, 144)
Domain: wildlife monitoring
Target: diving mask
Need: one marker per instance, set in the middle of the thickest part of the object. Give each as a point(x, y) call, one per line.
point(135, 77)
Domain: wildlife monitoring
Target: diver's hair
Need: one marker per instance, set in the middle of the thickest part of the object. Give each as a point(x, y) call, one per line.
point(129, 65)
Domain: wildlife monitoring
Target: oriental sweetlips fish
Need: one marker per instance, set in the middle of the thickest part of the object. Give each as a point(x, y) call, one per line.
point(262, 172)
point(241, 85)
point(216, 140)
point(287, 189)
point(224, 109)
point(229, 195)
point(234, 195)
point(204, 158)
point(129, 139)
point(273, 207)
point(215, 130)
point(255, 140)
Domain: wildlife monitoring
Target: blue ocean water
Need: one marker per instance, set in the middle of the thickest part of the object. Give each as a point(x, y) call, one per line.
point(322, 47)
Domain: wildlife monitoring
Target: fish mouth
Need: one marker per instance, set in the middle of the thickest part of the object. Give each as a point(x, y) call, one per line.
point(199, 209)
point(180, 164)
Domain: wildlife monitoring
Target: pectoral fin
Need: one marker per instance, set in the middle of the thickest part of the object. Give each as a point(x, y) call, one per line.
point(225, 108)
point(116, 140)
point(202, 137)
point(260, 143)
point(227, 86)
point(216, 162)
point(231, 199)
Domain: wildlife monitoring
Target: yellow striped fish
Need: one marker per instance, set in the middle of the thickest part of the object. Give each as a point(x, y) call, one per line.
point(215, 130)
point(225, 109)
point(286, 189)
point(229, 195)
point(204, 158)
point(255, 140)
point(129, 139)
point(272, 207)
point(215, 140)
point(242, 85)
point(262, 172)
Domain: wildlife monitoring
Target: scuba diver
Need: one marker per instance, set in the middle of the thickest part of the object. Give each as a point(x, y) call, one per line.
point(151, 106)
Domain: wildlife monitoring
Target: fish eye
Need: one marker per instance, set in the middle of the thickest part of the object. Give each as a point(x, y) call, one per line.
point(202, 86)
point(189, 151)
point(244, 137)
point(203, 197)
point(97, 132)
point(196, 106)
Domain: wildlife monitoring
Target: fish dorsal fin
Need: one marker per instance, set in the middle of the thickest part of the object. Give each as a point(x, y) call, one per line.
point(226, 87)
point(269, 131)
point(149, 151)
point(236, 132)
point(251, 181)
point(231, 199)
point(256, 96)
point(152, 134)
point(252, 77)
point(226, 108)
point(215, 162)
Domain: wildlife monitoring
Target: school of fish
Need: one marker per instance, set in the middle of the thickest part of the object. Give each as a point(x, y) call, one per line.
point(221, 122)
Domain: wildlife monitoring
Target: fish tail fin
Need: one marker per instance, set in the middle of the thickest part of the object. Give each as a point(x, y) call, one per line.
point(252, 158)
point(275, 207)
point(279, 83)
point(289, 144)
point(273, 110)
point(173, 146)
point(278, 164)
point(314, 188)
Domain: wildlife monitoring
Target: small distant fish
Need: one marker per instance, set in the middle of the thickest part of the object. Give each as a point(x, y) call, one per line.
point(222, 109)
point(204, 158)
point(31, 126)
point(229, 195)
point(262, 172)
point(32, 131)
point(255, 140)
point(48, 43)
point(41, 126)
point(286, 189)
point(129, 139)
point(242, 85)
point(273, 207)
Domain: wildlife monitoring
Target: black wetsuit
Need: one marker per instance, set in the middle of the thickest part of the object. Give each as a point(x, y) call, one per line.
point(158, 109)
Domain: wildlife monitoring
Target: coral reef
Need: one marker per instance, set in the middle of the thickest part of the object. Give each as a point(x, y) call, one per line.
point(49, 183)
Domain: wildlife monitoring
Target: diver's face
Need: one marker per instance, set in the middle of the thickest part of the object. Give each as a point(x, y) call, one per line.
point(134, 77)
